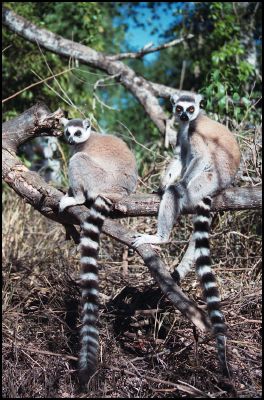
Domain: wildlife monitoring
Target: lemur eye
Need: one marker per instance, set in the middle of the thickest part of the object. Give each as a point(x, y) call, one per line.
point(78, 133)
point(179, 109)
point(190, 109)
point(67, 133)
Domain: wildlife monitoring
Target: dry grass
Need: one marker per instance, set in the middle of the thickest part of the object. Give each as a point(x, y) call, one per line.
point(147, 348)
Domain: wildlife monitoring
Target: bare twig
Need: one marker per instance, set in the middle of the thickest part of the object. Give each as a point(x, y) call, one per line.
point(144, 52)
point(47, 353)
point(36, 83)
point(56, 80)
point(182, 386)
point(98, 83)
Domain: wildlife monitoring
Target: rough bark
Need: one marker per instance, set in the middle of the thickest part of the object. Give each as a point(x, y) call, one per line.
point(38, 121)
point(236, 198)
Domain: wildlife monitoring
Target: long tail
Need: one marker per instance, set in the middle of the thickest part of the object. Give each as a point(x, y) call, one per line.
point(91, 230)
point(203, 264)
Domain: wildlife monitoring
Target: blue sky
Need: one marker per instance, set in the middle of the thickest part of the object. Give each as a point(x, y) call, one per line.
point(137, 37)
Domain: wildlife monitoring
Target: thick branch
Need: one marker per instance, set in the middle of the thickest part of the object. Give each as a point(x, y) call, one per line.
point(36, 121)
point(166, 91)
point(236, 198)
point(45, 198)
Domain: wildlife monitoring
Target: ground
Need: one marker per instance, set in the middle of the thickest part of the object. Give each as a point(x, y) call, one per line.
point(147, 348)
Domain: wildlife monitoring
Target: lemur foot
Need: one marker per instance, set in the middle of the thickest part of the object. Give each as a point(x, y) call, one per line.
point(151, 239)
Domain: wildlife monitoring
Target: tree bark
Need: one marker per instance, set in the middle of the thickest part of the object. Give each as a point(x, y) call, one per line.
point(38, 121)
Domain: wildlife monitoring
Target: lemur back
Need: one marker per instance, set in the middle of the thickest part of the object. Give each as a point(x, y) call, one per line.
point(109, 167)
point(101, 170)
point(218, 145)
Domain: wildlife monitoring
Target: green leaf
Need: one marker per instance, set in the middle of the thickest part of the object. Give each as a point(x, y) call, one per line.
point(222, 103)
point(236, 96)
point(221, 89)
point(246, 101)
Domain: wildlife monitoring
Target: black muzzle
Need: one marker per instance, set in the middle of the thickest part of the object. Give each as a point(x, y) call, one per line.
point(184, 117)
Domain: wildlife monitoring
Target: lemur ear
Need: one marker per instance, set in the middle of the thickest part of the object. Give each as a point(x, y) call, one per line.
point(86, 123)
point(174, 98)
point(198, 98)
point(64, 121)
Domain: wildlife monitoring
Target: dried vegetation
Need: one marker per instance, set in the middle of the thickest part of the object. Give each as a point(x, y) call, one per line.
point(148, 349)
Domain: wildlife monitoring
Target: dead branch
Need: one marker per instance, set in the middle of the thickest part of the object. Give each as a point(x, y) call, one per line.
point(38, 121)
point(36, 83)
point(149, 50)
point(161, 275)
point(235, 198)
point(165, 92)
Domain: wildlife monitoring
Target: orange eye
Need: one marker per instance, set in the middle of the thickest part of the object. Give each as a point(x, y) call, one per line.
point(178, 109)
point(190, 109)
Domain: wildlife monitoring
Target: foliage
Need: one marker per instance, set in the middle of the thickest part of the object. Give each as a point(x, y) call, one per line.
point(223, 58)
point(219, 62)
point(88, 24)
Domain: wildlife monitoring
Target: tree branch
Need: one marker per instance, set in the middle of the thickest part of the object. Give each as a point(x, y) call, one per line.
point(38, 121)
point(146, 51)
point(138, 86)
point(164, 91)
point(161, 275)
point(235, 198)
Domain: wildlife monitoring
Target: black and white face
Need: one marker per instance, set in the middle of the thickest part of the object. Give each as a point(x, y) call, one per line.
point(76, 130)
point(186, 108)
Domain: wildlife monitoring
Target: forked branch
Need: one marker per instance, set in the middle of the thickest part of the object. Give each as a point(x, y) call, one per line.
point(38, 121)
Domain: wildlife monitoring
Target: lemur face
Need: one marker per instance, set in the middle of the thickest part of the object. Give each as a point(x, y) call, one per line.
point(186, 108)
point(76, 130)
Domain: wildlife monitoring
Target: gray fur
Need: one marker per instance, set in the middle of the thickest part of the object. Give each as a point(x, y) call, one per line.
point(206, 167)
point(209, 157)
point(101, 170)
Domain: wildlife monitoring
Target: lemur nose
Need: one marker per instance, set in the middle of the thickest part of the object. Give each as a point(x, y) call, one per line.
point(184, 117)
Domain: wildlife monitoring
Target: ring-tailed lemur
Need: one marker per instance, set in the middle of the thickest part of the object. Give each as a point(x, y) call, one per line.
point(102, 168)
point(208, 160)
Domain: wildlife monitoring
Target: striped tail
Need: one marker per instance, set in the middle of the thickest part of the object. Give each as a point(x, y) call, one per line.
point(203, 264)
point(91, 230)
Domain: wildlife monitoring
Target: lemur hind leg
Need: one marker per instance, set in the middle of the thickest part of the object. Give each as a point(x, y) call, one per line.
point(187, 262)
point(202, 185)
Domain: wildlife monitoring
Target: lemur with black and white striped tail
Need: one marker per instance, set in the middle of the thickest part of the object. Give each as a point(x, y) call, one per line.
point(101, 170)
point(207, 159)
